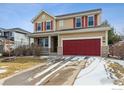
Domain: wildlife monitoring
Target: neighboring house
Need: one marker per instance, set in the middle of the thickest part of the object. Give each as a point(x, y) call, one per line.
point(16, 37)
point(122, 38)
point(78, 33)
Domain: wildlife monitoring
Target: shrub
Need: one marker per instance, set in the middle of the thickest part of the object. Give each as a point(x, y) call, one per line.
point(117, 50)
point(37, 51)
point(27, 51)
point(6, 54)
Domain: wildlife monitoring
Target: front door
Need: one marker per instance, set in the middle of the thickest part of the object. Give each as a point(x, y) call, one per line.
point(54, 44)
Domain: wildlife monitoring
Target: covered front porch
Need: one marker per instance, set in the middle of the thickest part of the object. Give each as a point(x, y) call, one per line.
point(49, 44)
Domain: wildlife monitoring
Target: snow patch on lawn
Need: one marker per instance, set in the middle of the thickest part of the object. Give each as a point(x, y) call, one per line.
point(121, 62)
point(78, 58)
point(2, 70)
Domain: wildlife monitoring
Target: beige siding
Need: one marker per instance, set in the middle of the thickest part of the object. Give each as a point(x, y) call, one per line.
point(40, 19)
point(102, 34)
point(86, 34)
point(99, 19)
point(67, 24)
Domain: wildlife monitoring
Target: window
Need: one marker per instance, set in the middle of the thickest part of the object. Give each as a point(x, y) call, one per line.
point(46, 42)
point(61, 23)
point(43, 17)
point(48, 25)
point(39, 27)
point(78, 22)
point(43, 42)
point(11, 34)
point(6, 34)
point(90, 21)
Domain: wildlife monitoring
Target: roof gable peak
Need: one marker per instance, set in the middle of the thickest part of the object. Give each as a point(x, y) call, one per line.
point(40, 13)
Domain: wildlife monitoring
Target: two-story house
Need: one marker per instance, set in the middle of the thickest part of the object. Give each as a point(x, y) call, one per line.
point(15, 36)
point(78, 33)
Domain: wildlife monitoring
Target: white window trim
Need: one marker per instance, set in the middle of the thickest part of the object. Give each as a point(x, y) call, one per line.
point(62, 23)
point(50, 25)
point(88, 20)
point(76, 22)
point(40, 25)
point(44, 42)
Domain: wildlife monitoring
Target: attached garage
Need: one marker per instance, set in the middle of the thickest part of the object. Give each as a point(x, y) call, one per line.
point(86, 47)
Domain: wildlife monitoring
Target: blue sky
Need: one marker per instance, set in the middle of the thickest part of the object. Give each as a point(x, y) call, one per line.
point(20, 15)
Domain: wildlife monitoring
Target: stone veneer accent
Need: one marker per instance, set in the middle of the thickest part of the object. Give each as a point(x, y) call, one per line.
point(105, 51)
point(60, 50)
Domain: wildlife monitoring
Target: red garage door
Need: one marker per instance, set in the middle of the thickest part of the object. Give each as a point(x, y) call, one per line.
point(89, 47)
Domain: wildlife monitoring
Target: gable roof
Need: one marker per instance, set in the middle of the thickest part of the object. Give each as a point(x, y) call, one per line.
point(40, 14)
point(93, 10)
point(66, 15)
point(2, 29)
point(19, 30)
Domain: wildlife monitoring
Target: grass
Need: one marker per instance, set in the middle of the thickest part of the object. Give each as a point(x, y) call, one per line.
point(19, 64)
point(118, 69)
point(61, 77)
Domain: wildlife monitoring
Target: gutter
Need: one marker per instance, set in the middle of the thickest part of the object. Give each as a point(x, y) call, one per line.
point(97, 29)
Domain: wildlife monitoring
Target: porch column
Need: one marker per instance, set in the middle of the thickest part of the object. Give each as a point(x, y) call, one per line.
point(59, 48)
point(36, 41)
point(49, 44)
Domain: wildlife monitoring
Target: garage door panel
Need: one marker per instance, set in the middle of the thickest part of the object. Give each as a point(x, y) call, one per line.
point(90, 47)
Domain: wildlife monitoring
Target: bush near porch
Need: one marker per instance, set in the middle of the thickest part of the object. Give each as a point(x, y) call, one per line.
point(25, 51)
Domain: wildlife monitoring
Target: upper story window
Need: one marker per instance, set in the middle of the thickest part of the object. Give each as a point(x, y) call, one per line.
point(78, 22)
point(7, 34)
point(90, 21)
point(39, 27)
point(61, 23)
point(48, 25)
point(11, 34)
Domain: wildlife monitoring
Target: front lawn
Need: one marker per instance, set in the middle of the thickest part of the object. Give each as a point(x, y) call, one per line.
point(116, 71)
point(19, 64)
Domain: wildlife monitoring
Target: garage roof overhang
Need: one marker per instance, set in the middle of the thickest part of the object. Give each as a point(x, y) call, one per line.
point(69, 31)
